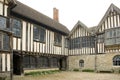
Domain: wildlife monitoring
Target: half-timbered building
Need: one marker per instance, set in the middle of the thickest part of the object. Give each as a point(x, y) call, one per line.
point(5, 39)
point(33, 40)
point(96, 48)
point(30, 40)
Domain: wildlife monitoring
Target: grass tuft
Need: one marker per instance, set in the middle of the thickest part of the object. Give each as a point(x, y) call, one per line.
point(37, 73)
point(76, 70)
point(87, 70)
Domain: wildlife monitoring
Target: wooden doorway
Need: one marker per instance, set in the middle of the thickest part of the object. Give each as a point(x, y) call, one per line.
point(17, 64)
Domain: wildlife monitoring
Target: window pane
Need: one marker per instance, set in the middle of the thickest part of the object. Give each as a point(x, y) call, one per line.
point(17, 27)
point(54, 62)
point(6, 42)
point(118, 41)
point(32, 62)
point(40, 61)
point(45, 62)
point(26, 62)
point(57, 39)
point(114, 33)
point(36, 33)
point(118, 32)
point(2, 22)
point(42, 35)
point(114, 36)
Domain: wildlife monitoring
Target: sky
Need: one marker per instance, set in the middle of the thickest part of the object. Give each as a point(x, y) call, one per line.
point(89, 12)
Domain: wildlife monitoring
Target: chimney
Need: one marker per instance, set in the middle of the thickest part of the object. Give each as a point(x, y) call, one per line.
point(56, 14)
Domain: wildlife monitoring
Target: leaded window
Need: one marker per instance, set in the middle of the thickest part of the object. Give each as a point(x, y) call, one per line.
point(80, 42)
point(32, 62)
point(116, 60)
point(54, 62)
point(43, 62)
point(84, 41)
point(36, 33)
point(3, 22)
point(57, 39)
point(66, 43)
point(101, 38)
point(17, 27)
point(118, 32)
point(92, 42)
point(4, 42)
point(26, 61)
point(29, 61)
point(112, 36)
point(81, 63)
point(42, 34)
point(39, 33)
point(77, 42)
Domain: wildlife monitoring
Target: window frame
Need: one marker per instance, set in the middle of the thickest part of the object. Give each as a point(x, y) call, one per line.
point(66, 43)
point(40, 34)
point(113, 39)
point(13, 28)
point(43, 62)
point(7, 23)
point(82, 42)
point(3, 43)
point(28, 63)
point(57, 39)
point(81, 63)
point(116, 60)
point(54, 62)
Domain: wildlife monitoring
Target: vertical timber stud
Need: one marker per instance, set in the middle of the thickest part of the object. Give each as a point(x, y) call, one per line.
point(96, 52)
point(11, 50)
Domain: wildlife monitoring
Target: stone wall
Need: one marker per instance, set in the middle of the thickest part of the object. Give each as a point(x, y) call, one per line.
point(101, 62)
point(105, 62)
point(5, 76)
point(89, 62)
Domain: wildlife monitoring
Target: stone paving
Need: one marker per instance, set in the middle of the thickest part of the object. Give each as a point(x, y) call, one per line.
point(72, 76)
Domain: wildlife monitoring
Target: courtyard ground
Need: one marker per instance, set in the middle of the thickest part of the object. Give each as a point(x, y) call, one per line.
point(72, 76)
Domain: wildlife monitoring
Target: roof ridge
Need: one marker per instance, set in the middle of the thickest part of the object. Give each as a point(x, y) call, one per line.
point(35, 15)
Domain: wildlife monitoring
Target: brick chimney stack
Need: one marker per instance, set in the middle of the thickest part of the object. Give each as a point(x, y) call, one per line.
point(56, 14)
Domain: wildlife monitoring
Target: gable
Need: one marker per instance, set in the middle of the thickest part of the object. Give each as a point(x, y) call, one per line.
point(111, 19)
point(79, 29)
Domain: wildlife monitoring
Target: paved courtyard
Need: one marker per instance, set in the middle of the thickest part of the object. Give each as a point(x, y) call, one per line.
point(72, 76)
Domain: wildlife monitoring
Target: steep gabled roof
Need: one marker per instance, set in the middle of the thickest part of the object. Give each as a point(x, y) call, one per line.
point(79, 23)
point(111, 8)
point(32, 14)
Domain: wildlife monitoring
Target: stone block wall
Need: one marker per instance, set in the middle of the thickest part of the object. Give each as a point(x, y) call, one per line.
point(100, 62)
point(89, 62)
